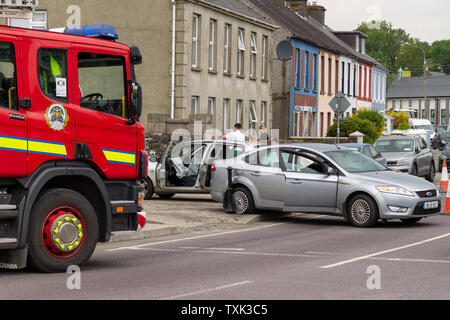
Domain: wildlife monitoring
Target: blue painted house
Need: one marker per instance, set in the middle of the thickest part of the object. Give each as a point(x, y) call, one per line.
point(303, 100)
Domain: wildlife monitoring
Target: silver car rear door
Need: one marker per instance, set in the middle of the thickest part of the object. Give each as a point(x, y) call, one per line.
point(308, 185)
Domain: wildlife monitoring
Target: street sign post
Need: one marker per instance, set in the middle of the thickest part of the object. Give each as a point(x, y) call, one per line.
point(339, 104)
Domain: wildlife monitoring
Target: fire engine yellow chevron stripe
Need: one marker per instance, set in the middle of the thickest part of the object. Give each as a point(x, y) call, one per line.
point(13, 143)
point(47, 148)
point(120, 157)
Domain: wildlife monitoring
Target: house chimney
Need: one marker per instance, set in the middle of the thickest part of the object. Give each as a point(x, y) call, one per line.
point(299, 6)
point(317, 12)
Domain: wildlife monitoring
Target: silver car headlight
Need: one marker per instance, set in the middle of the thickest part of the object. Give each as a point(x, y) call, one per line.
point(396, 190)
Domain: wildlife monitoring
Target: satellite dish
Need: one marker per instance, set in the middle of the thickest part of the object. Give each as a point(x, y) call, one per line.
point(284, 50)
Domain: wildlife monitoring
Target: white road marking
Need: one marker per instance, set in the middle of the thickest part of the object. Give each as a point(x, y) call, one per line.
point(411, 260)
point(249, 253)
point(226, 249)
point(197, 237)
point(207, 290)
point(384, 252)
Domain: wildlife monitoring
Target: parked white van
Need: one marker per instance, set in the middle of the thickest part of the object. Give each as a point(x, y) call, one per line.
point(423, 124)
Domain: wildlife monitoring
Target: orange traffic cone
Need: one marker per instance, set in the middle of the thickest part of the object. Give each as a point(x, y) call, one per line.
point(444, 177)
point(447, 204)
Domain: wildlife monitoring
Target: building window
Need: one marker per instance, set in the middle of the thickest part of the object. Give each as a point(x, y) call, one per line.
point(227, 55)
point(354, 81)
point(241, 52)
point(349, 76)
point(253, 117)
point(322, 75)
point(195, 104)
point(38, 22)
point(253, 55)
point(330, 76)
point(226, 110)
point(212, 44)
point(432, 116)
point(211, 105)
point(314, 78)
point(196, 41)
point(263, 113)
point(306, 71)
point(239, 111)
point(443, 115)
point(321, 124)
point(265, 57)
point(343, 77)
point(297, 70)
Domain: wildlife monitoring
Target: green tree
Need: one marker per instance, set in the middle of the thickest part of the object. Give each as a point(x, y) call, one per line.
point(354, 124)
point(440, 54)
point(375, 117)
point(384, 43)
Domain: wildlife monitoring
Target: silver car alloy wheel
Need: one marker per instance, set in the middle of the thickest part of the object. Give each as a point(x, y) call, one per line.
point(240, 202)
point(360, 211)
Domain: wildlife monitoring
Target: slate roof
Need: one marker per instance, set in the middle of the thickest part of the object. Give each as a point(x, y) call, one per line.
point(414, 87)
point(237, 7)
point(311, 31)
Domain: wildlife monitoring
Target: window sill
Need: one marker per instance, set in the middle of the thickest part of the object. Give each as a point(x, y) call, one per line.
point(240, 76)
point(212, 71)
point(265, 80)
point(253, 78)
point(196, 69)
point(227, 74)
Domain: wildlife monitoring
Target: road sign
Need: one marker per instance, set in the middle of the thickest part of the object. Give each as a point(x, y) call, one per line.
point(339, 103)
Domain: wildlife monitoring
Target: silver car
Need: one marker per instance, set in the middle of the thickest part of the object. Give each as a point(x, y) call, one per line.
point(325, 179)
point(185, 167)
point(409, 154)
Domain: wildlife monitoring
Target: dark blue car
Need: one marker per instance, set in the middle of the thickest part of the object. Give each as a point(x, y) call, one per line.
point(367, 149)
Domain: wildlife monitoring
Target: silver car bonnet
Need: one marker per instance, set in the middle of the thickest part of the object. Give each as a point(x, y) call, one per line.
point(395, 156)
point(392, 178)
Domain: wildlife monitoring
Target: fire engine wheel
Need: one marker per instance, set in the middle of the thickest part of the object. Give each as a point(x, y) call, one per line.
point(63, 231)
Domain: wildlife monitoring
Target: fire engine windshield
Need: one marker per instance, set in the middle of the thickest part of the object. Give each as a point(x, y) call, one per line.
point(102, 82)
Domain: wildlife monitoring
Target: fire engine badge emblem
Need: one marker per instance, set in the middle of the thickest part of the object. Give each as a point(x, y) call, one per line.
point(57, 117)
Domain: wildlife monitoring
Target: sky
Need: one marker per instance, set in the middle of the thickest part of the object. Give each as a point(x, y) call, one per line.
point(427, 20)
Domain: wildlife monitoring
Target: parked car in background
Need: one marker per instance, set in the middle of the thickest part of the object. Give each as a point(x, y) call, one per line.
point(445, 156)
point(367, 149)
point(408, 154)
point(325, 179)
point(423, 124)
point(441, 140)
point(186, 167)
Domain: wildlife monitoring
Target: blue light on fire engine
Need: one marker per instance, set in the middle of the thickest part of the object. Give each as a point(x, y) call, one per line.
point(104, 31)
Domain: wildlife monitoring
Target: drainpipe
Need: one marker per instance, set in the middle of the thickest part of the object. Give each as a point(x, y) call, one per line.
point(172, 102)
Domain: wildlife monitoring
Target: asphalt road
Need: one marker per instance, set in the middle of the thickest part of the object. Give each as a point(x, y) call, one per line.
point(303, 257)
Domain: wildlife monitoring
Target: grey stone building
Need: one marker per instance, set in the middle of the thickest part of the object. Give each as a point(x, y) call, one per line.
point(221, 72)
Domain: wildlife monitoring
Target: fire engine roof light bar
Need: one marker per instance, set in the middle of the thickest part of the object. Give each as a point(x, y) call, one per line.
point(104, 31)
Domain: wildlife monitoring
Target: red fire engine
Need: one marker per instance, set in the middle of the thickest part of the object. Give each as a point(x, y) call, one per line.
point(71, 145)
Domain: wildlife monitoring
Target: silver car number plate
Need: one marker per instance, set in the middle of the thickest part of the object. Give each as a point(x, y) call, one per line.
point(431, 205)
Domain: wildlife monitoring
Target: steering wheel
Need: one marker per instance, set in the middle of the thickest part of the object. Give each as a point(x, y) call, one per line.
point(92, 97)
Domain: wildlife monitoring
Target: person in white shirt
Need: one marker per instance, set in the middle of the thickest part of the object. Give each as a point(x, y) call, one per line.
point(236, 135)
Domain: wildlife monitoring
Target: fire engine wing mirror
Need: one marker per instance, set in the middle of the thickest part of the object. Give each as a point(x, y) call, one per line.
point(135, 100)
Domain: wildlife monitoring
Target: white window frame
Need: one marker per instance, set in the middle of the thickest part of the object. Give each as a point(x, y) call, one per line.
point(195, 40)
point(239, 111)
point(252, 110)
point(241, 52)
point(31, 23)
point(253, 54)
point(212, 44)
point(265, 43)
point(194, 104)
point(211, 105)
point(226, 110)
point(263, 112)
point(227, 47)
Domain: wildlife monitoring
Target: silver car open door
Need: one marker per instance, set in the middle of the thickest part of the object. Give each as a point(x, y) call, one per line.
point(309, 186)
